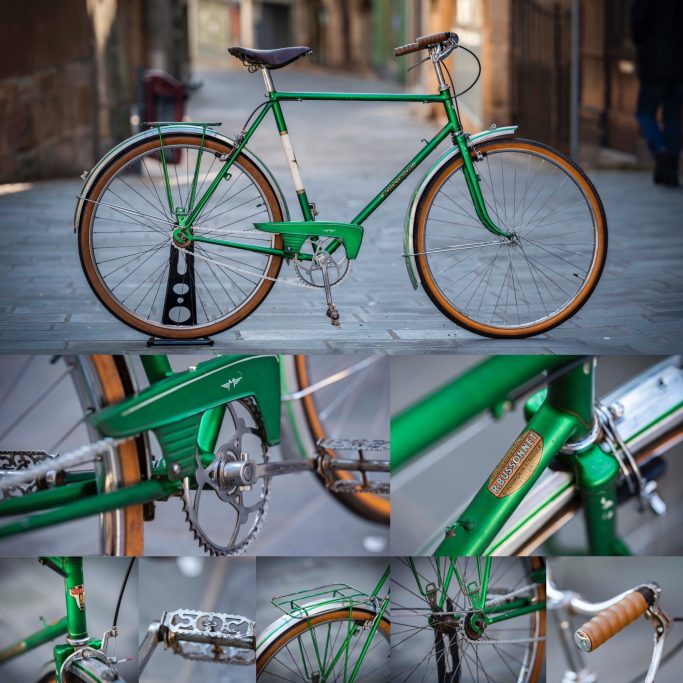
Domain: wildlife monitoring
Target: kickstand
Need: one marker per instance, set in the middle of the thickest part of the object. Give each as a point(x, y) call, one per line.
point(332, 312)
point(159, 341)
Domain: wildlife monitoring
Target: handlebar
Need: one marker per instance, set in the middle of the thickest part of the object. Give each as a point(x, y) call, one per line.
point(610, 621)
point(424, 42)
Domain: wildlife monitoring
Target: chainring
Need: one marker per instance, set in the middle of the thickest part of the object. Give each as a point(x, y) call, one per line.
point(207, 480)
point(311, 273)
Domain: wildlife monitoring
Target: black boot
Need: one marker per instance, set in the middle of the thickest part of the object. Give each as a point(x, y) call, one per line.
point(661, 173)
point(671, 171)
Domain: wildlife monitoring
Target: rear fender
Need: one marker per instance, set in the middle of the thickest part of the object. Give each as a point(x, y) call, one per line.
point(175, 129)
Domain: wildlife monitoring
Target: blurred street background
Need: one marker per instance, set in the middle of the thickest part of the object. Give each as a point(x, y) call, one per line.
point(561, 69)
point(209, 584)
point(626, 657)
point(30, 592)
point(428, 498)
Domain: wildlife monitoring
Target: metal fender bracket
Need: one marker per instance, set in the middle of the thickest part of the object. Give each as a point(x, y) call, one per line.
point(209, 636)
point(649, 404)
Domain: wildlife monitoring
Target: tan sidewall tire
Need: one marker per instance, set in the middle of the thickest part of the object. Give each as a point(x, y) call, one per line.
point(368, 505)
point(115, 388)
point(302, 626)
point(144, 326)
point(432, 288)
point(537, 669)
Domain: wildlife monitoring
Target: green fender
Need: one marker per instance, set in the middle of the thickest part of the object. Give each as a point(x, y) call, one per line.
point(483, 136)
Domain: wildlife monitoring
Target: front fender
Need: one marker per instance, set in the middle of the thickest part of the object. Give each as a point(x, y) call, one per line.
point(174, 129)
point(408, 255)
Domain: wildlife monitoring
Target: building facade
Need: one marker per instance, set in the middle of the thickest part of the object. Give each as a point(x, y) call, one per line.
point(71, 76)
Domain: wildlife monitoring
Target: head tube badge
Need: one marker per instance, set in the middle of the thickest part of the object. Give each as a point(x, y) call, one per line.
point(518, 465)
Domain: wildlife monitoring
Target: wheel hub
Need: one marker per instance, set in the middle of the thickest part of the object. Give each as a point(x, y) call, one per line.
point(474, 626)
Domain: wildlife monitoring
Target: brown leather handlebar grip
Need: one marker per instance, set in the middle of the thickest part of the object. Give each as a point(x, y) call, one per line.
point(425, 41)
point(432, 39)
point(406, 49)
point(609, 622)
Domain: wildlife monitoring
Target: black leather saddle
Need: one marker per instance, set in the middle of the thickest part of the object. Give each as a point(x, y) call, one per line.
point(269, 59)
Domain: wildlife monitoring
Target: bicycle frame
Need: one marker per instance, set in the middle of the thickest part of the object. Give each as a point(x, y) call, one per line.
point(189, 215)
point(186, 412)
point(562, 413)
point(73, 625)
point(478, 595)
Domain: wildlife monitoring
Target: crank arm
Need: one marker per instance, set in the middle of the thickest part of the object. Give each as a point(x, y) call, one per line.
point(275, 469)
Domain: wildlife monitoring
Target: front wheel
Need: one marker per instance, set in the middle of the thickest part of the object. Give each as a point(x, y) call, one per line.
point(142, 274)
point(525, 285)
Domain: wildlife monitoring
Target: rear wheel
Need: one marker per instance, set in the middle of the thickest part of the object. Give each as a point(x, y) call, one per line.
point(439, 634)
point(149, 280)
point(44, 409)
point(517, 287)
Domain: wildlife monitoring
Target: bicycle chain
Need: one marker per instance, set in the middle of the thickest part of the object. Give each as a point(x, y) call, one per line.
point(28, 475)
point(237, 269)
point(209, 636)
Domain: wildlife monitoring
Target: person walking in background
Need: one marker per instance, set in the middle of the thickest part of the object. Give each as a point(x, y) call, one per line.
point(657, 31)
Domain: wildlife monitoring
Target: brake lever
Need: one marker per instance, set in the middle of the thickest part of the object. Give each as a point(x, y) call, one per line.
point(661, 623)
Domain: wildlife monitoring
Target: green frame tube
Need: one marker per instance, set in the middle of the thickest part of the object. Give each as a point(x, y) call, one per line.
point(44, 635)
point(453, 128)
point(484, 387)
point(487, 513)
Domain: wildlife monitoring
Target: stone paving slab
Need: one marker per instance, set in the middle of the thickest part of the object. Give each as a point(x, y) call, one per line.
point(346, 153)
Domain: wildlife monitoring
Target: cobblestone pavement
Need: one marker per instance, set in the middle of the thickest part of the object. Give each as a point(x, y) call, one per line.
point(346, 152)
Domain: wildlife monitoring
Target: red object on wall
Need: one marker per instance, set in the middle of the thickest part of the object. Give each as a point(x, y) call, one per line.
point(164, 101)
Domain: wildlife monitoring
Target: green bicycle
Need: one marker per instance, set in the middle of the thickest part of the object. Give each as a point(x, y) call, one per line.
point(468, 619)
point(573, 454)
point(182, 231)
point(210, 426)
point(328, 633)
point(80, 658)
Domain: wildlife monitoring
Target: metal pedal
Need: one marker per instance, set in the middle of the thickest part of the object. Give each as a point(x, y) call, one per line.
point(209, 636)
point(327, 465)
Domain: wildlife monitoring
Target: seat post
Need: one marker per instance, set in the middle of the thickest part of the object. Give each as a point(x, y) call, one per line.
point(267, 79)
